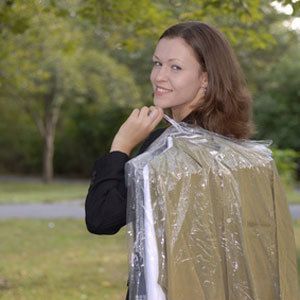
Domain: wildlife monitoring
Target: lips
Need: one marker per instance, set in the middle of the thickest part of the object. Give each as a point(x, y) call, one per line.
point(159, 91)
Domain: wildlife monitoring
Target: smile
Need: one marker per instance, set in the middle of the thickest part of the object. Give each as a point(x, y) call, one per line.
point(161, 91)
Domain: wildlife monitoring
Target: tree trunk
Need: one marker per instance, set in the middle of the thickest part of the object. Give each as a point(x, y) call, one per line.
point(51, 114)
point(48, 153)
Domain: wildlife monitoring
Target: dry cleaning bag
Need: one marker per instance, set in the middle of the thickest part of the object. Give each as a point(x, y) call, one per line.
point(207, 219)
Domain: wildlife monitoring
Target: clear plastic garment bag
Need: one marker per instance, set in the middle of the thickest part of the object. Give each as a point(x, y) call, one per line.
point(207, 218)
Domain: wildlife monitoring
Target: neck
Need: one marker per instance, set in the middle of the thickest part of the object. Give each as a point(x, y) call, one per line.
point(179, 115)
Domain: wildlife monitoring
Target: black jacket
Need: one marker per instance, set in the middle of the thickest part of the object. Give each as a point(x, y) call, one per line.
point(105, 205)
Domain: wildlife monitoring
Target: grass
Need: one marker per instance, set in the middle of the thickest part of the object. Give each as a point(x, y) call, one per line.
point(60, 260)
point(297, 238)
point(292, 196)
point(24, 192)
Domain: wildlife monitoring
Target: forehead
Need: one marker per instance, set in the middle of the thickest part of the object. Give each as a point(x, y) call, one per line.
point(174, 48)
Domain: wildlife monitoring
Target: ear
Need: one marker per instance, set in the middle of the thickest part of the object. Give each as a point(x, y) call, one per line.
point(204, 79)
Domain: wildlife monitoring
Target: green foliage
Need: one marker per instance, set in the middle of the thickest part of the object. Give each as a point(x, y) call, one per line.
point(50, 62)
point(129, 24)
point(277, 104)
point(52, 57)
point(86, 134)
point(20, 144)
point(295, 4)
point(107, 82)
point(286, 162)
point(93, 58)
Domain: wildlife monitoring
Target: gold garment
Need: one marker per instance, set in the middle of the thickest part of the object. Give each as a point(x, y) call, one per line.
point(208, 219)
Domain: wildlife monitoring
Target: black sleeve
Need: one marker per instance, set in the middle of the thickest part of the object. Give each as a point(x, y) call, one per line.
point(105, 205)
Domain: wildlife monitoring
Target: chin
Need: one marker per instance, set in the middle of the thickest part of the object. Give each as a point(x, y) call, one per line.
point(161, 103)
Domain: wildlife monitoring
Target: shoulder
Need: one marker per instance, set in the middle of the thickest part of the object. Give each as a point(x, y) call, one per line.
point(155, 134)
point(151, 138)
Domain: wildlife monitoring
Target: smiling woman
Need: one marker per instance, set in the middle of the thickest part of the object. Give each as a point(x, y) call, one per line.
point(197, 77)
point(198, 66)
point(177, 78)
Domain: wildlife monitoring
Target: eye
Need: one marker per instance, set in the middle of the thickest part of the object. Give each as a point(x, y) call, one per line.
point(176, 68)
point(156, 63)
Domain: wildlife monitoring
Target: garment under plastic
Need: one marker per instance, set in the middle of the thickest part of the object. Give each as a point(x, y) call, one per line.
point(207, 219)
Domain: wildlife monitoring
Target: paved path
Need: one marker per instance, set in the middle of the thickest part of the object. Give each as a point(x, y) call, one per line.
point(295, 211)
point(70, 209)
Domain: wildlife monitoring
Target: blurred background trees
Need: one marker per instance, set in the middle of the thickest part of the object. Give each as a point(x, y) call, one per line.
point(72, 71)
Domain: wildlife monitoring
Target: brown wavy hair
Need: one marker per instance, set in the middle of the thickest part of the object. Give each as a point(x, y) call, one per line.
point(227, 105)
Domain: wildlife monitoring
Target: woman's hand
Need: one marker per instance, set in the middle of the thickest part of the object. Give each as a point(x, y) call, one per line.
point(136, 128)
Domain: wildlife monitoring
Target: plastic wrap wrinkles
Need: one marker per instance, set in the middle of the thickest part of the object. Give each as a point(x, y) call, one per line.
point(207, 218)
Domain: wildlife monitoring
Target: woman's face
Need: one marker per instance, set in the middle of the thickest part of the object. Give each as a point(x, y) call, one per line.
point(176, 76)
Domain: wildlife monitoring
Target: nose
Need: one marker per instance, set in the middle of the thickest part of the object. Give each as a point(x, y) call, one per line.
point(162, 74)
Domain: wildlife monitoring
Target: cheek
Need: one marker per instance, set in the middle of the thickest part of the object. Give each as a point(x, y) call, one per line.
point(186, 83)
point(187, 87)
point(152, 75)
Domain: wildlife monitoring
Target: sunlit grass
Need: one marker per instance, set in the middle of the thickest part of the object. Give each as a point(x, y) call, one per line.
point(22, 192)
point(292, 196)
point(297, 238)
point(60, 260)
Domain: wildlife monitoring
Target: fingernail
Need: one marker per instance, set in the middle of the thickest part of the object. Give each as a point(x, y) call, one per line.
point(153, 113)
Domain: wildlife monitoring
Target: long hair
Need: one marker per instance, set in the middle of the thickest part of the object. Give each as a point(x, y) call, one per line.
point(227, 105)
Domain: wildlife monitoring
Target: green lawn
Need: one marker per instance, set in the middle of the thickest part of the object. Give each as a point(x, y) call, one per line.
point(297, 238)
point(293, 196)
point(60, 260)
point(22, 192)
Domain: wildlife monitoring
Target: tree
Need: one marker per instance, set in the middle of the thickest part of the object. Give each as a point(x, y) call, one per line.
point(278, 103)
point(57, 52)
point(44, 65)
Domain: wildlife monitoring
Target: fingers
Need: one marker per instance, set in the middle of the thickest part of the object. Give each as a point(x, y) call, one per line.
point(148, 114)
point(143, 112)
point(155, 116)
point(157, 119)
point(160, 113)
point(153, 112)
point(135, 113)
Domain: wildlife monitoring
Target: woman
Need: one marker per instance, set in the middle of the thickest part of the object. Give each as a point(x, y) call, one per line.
point(197, 78)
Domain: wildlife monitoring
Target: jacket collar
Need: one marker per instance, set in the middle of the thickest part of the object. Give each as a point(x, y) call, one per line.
point(187, 119)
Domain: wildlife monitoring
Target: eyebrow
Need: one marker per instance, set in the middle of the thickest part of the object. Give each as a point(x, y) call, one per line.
point(168, 59)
